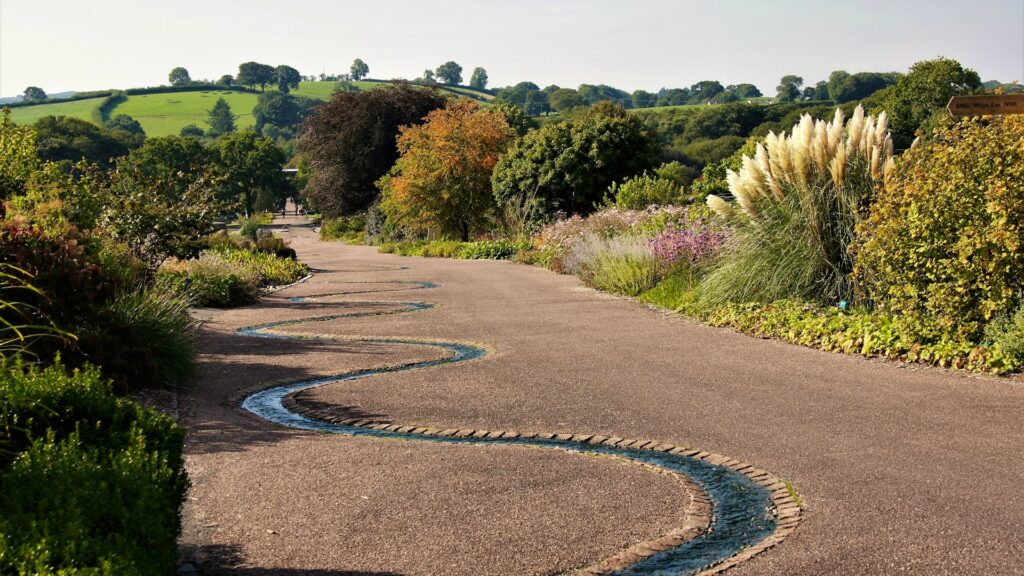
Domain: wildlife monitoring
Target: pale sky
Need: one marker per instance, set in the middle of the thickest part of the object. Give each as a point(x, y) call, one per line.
point(94, 44)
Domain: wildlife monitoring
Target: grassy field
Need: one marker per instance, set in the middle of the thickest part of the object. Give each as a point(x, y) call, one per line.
point(78, 109)
point(166, 114)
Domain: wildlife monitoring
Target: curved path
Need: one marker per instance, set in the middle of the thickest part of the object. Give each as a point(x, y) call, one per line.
point(663, 522)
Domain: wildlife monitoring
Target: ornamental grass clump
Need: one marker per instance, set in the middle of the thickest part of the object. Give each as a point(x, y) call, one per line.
point(620, 265)
point(797, 203)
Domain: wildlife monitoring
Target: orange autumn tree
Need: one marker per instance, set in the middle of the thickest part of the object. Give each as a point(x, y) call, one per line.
point(443, 175)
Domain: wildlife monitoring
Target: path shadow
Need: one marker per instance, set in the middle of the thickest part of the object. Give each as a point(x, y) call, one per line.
point(227, 560)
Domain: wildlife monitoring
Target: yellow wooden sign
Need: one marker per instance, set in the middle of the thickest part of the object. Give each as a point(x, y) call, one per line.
point(986, 105)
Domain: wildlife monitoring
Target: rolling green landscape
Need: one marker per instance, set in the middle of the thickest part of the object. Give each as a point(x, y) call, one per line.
point(167, 113)
point(77, 109)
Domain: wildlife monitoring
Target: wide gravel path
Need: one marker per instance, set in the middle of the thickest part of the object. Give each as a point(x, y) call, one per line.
point(902, 469)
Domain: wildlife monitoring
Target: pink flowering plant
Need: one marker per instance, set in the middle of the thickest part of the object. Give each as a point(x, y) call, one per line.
point(691, 240)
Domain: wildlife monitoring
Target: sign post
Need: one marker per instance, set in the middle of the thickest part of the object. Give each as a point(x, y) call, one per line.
point(987, 105)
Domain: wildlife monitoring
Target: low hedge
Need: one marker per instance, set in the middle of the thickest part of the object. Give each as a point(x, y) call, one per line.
point(861, 332)
point(89, 483)
point(480, 250)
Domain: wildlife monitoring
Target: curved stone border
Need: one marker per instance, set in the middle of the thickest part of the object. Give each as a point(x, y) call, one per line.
point(698, 517)
point(699, 514)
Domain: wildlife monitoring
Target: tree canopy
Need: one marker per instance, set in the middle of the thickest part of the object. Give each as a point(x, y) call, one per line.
point(179, 77)
point(442, 178)
point(450, 73)
point(34, 94)
point(922, 92)
point(359, 69)
point(569, 165)
point(253, 74)
point(220, 119)
point(479, 78)
point(287, 78)
point(350, 142)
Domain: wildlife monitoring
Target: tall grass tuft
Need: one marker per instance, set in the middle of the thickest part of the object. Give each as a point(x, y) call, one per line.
point(620, 265)
point(797, 202)
point(149, 337)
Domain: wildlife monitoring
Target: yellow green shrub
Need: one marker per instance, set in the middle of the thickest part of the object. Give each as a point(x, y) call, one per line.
point(945, 239)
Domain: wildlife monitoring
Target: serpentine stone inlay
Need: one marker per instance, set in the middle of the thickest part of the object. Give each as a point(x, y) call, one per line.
point(736, 510)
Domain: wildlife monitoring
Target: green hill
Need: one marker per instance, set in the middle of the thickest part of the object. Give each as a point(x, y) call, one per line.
point(79, 109)
point(167, 113)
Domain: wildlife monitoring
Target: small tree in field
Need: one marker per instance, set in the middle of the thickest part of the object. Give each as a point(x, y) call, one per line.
point(359, 69)
point(450, 73)
point(443, 177)
point(479, 78)
point(34, 94)
point(220, 118)
point(179, 77)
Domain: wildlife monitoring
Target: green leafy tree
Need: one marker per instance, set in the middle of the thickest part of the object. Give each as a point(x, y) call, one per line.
point(923, 92)
point(845, 87)
point(537, 103)
point(34, 94)
point(702, 92)
point(569, 165)
point(249, 166)
point(515, 118)
point(126, 123)
point(287, 78)
point(68, 140)
point(450, 73)
point(592, 94)
point(282, 111)
point(191, 131)
point(253, 74)
point(516, 94)
point(745, 91)
point(641, 99)
point(220, 119)
point(350, 142)
point(179, 77)
point(479, 78)
point(788, 89)
point(18, 158)
point(428, 77)
point(565, 99)
point(359, 69)
point(226, 80)
point(674, 97)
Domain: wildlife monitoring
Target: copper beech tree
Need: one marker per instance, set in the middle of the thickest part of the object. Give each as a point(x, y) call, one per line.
point(443, 177)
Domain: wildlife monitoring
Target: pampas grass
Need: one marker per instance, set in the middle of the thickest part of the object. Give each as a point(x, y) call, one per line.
point(797, 202)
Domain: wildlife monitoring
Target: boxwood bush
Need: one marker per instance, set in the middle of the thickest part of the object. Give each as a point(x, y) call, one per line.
point(89, 483)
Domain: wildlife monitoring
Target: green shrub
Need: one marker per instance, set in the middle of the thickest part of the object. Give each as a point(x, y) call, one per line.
point(1007, 331)
point(639, 192)
point(212, 280)
point(859, 331)
point(489, 250)
point(441, 249)
point(673, 292)
point(249, 228)
point(89, 483)
point(143, 338)
point(484, 249)
point(945, 240)
point(345, 229)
